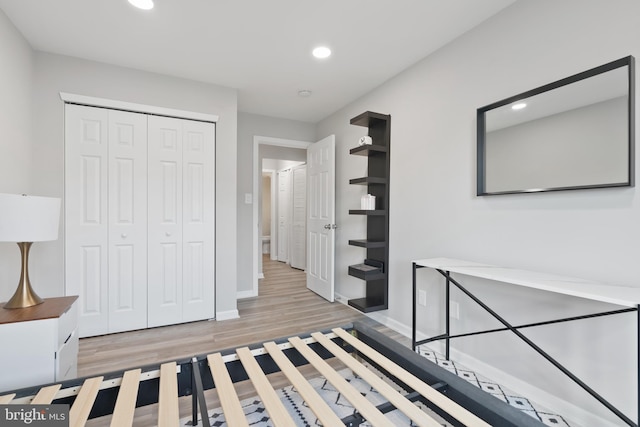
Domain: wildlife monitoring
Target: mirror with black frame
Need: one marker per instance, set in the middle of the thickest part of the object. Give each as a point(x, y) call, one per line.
point(575, 133)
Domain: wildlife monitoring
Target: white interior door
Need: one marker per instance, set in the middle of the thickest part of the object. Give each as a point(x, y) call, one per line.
point(127, 221)
point(321, 170)
point(284, 208)
point(298, 253)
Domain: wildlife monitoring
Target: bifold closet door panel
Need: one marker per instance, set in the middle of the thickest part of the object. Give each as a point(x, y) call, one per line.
point(181, 221)
point(127, 221)
point(86, 215)
point(198, 220)
point(164, 221)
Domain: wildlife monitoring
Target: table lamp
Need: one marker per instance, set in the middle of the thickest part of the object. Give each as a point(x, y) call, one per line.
point(24, 220)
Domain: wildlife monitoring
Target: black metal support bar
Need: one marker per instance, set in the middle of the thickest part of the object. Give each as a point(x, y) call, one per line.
point(540, 351)
point(529, 325)
point(356, 419)
point(194, 400)
point(198, 395)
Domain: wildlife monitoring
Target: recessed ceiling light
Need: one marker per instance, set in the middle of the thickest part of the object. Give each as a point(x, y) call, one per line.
point(142, 4)
point(518, 106)
point(321, 52)
point(304, 93)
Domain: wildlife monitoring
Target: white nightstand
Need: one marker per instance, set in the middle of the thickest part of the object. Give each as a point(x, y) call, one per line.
point(39, 344)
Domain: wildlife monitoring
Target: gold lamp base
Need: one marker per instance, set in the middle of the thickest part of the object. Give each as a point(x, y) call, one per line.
point(24, 295)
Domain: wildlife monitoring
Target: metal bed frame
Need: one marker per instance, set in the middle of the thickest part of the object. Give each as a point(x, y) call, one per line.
point(119, 393)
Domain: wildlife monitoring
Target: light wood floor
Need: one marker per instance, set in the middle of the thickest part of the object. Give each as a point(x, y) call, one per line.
point(284, 307)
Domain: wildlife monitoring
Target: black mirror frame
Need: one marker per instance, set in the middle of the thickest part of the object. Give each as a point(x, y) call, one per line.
point(627, 61)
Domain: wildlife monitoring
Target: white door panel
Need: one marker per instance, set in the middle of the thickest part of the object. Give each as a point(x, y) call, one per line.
point(86, 236)
point(321, 217)
point(198, 221)
point(284, 208)
point(164, 221)
point(127, 221)
point(298, 250)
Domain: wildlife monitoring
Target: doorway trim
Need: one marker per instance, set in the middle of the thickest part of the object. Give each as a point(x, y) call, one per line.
point(257, 175)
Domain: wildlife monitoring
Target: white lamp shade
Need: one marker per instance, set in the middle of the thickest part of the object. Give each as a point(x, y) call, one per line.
point(28, 218)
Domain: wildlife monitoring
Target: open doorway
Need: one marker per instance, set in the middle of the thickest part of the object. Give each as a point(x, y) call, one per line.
point(282, 203)
point(266, 148)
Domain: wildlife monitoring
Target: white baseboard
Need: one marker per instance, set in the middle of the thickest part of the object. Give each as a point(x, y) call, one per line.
point(227, 315)
point(571, 412)
point(246, 294)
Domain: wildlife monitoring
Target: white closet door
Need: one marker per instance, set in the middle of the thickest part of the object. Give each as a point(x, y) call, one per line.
point(284, 208)
point(164, 221)
point(127, 221)
point(198, 221)
point(86, 215)
point(299, 218)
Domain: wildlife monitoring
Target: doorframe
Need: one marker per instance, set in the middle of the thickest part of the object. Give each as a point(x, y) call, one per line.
point(257, 175)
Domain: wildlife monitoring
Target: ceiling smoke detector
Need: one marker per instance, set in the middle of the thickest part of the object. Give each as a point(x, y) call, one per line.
point(304, 93)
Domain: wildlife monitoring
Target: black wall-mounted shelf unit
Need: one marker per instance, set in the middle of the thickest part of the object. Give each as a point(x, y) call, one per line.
point(374, 269)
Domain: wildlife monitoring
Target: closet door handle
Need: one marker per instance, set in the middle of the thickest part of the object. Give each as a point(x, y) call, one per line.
point(167, 233)
point(123, 235)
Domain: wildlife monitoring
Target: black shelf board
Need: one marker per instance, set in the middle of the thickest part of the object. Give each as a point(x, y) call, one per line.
point(364, 243)
point(367, 117)
point(366, 272)
point(376, 212)
point(367, 305)
point(368, 149)
point(368, 180)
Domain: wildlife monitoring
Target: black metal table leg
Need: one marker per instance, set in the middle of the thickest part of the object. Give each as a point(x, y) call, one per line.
point(447, 317)
point(413, 320)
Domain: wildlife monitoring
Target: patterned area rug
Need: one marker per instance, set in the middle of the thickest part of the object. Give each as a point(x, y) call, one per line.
point(495, 390)
point(257, 415)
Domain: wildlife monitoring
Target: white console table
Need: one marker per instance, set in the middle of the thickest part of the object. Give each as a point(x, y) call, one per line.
point(628, 297)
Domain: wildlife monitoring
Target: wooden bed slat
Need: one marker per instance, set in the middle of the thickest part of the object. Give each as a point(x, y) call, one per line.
point(443, 402)
point(366, 408)
point(7, 398)
point(319, 407)
point(46, 395)
point(79, 412)
point(275, 408)
point(398, 400)
point(168, 410)
point(126, 400)
point(233, 413)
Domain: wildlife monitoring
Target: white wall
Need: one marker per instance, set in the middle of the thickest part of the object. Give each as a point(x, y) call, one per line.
point(16, 73)
point(250, 125)
point(55, 73)
point(592, 234)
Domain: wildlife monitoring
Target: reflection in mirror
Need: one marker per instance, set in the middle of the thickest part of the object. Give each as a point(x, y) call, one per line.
point(574, 133)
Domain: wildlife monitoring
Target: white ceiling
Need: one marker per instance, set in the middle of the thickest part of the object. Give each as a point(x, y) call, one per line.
point(260, 47)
